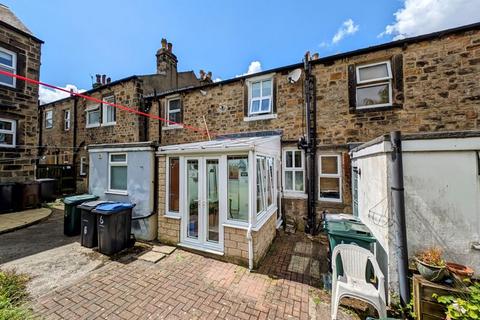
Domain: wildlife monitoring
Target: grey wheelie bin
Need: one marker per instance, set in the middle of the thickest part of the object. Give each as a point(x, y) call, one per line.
point(71, 218)
point(88, 224)
point(114, 223)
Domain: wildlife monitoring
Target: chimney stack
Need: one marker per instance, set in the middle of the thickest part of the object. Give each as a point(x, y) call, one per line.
point(97, 81)
point(167, 61)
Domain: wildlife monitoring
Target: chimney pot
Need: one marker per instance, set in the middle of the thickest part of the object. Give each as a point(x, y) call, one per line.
point(103, 79)
point(109, 80)
point(97, 78)
point(202, 74)
point(169, 47)
point(315, 56)
point(209, 75)
point(164, 43)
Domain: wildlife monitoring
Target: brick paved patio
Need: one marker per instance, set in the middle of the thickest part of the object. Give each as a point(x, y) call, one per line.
point(185, 285)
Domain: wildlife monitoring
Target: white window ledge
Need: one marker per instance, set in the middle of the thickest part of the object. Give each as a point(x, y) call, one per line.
point(107, 124)
point(260, 117)
point(294, 195)
point(92, 125)
point(171, 216)
point(172, 127)
point(118, 192)
point(236, 225)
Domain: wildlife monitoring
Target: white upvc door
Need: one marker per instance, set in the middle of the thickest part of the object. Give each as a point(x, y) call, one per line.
point(201, 219)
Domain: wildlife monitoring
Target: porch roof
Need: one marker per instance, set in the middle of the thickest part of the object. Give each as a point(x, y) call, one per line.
point(268, 144)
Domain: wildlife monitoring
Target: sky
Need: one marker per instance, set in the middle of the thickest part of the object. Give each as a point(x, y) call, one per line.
point(230, 38)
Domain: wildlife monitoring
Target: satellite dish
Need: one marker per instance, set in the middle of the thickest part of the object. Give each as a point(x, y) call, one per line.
point(294, 75)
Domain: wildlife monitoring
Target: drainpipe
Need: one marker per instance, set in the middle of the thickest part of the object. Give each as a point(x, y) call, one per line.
point(251, 160)
point(398, 199)
point(74, 140)
point(309, 144)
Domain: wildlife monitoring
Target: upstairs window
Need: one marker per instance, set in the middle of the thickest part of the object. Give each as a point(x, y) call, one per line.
point(66, 120)
point(330, 176)
point(118, 172)
point(93, 116)
point(260, 96)
point(8, 130)
point(108, 111)
point(374, 85)
point(174, 111)
point(8, 63)
point(49, 119)
point(293, 171)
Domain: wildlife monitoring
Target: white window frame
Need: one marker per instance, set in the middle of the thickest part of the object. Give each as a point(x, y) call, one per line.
point(338, 175)
point(12, 69)
point(92, 108)
point(48, 116)
point(259, 217)
point(12, 131)
point(66, 120)
point(374, 82)
point(83, 161)
point(105, 107)
point(117, 164)
point(293, 193)
point(168, 112)
point(250, 82)
point(169, 213)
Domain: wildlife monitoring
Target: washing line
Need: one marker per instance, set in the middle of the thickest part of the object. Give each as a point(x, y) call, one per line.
point(115, 105)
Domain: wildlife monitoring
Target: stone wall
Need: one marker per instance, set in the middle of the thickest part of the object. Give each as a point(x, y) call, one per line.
point(20, 104)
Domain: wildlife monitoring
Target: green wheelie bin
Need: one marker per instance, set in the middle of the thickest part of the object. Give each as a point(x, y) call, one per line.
point(72, 214)
point(348, 232)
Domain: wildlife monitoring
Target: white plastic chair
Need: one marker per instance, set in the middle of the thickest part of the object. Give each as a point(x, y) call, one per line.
point(353, 283)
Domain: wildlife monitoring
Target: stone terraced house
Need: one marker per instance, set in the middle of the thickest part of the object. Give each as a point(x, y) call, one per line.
point(228, 195)
point(71, 124)
point(19, 54)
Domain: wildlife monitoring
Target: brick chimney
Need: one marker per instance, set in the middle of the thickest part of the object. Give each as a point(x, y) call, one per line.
point(166, 60)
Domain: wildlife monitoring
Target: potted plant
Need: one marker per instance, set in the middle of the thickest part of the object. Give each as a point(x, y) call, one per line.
point(430, 264)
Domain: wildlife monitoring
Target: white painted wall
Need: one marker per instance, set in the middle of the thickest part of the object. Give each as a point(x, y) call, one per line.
point(442, 199)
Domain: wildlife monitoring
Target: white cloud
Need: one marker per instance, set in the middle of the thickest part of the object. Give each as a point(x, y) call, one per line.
point(425, 16)
point(217, 79)
point(47, 95)
point(254, 67)
point(348, 27)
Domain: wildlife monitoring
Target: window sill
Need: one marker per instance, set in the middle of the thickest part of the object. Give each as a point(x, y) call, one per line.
point(9, 146)
point(263, 217)
point(173, 127)
point(92, 126)
point(376, 109)
point(117, 192)
point(236, 225)
point(108, 124)
point(171, 216)
point(260, 117)
point(294, 195)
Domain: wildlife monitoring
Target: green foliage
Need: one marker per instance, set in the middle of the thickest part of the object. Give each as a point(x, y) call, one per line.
point(13, 293)
point(465, 307)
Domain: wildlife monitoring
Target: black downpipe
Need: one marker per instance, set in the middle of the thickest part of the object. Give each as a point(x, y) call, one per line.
point(309, 144)
point(398, 199)
point(74, 142)
point(40, 134)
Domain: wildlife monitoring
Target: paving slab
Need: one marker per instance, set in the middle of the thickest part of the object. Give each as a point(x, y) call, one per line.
point(17, 220)
point(152, 256)
point(164, 249)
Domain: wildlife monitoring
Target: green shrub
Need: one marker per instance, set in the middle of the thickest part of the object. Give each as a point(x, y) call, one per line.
point(13, 294)
point(463, 307)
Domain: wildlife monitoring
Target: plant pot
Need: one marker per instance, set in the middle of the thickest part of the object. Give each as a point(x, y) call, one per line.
point(459, 270)
point(429, 272)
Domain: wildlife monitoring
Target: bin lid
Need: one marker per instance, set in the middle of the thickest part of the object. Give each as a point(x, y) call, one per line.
point(79, 198)
point(340, 216)
point(109, 208)
point(90, 205)
point(351, 229)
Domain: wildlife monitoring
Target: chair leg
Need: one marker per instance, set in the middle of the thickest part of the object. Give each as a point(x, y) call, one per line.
point(334, 305)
